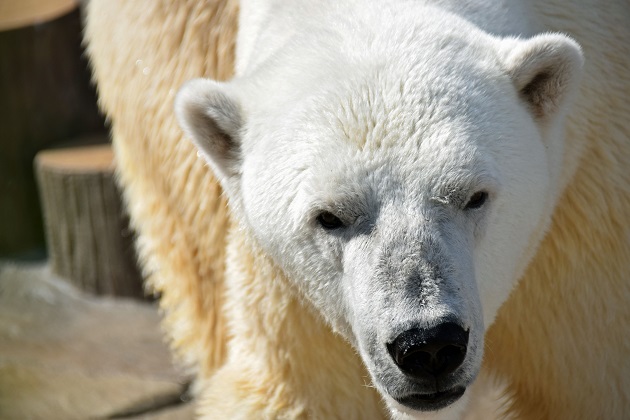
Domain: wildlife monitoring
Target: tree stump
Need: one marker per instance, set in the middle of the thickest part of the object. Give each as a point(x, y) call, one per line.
point(14, 14)
point(88, 236)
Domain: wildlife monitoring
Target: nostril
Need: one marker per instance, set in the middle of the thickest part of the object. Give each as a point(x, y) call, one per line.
point(436, 358)
point(436, 351)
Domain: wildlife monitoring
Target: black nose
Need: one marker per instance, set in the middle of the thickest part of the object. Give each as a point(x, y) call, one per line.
point(422, 353)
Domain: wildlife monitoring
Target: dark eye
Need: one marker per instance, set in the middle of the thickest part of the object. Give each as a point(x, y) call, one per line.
point(329, 221)
point(477, 200)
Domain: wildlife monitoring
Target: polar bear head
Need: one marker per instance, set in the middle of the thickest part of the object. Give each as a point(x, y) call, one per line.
point(401, 178)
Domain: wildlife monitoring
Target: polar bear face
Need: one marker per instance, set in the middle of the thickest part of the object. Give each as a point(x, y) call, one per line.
point(401, 185)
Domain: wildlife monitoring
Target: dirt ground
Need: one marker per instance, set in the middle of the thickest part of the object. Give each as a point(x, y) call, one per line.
point(67, 355)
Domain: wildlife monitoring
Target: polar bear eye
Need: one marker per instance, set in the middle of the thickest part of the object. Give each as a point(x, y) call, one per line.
point(329, 221)
point(477, 200)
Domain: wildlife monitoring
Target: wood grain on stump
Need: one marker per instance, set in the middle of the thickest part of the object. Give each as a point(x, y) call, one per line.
point(87, 233)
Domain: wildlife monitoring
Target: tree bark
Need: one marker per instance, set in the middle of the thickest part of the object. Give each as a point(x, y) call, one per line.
point(88, 237)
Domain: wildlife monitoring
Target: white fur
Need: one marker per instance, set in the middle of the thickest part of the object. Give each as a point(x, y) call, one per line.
point(391, 116)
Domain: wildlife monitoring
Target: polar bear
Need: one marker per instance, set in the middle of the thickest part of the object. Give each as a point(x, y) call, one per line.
point(400, 162)
point(559, 340)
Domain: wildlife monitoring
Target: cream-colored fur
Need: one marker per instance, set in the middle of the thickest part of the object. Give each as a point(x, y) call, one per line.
point(560, 342)
point(141, 52)
point(561, 338)
point(307, 368)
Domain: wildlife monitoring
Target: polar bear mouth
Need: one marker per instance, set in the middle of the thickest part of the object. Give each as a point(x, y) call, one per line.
point(432, 402)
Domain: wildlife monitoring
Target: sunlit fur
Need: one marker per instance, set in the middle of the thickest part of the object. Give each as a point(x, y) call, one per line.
point(141, 52)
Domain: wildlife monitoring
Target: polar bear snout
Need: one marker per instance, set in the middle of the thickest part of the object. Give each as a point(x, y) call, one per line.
point(430, 353)
point(429, 365)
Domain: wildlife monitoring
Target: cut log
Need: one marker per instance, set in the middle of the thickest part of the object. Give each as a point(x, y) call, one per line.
point(14, 14)
point(87, 233)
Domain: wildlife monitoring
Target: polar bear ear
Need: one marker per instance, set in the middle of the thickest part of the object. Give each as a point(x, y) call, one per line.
point(545, 71)
point(212, 118)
